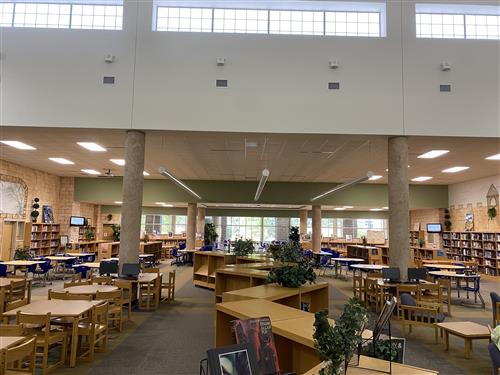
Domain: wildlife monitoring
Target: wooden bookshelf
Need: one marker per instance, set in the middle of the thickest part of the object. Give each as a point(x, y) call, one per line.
point(206, 263)
point(371, 254)
point(87, 246)
point(480, 247)
point(83, 230)
point(42, 239)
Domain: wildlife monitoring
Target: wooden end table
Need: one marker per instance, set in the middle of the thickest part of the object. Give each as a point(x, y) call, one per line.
point(467, 330)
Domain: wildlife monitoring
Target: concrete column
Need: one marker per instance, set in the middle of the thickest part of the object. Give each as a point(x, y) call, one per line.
point(316, 228)
point(399, 217)
point(191, 226)
point(133, 180)
point(303, 221)
point(200, 221)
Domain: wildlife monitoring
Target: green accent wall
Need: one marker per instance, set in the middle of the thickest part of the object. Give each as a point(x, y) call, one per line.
point(105, 190)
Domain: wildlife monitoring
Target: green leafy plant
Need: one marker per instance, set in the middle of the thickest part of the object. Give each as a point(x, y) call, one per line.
point(109, 217)
point(421, 242)
point(116, 232)
point(297, 267)
point(294, 235)
point(384, 349)
point(89, 234)
point(23, 254)
point(336, 344)
point(145, 238)
point(243, 248)
point(447, 219)
point(210, 234)
point(492, 213)
point(364, 241)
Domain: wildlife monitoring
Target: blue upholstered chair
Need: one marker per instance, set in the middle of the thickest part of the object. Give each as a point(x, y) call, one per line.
point(83, 270)
point(495, 357)
point(42, 272)
point(3, 270)
point(412, 312)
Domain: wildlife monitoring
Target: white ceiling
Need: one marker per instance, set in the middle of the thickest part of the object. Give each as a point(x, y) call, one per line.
point(242, 156)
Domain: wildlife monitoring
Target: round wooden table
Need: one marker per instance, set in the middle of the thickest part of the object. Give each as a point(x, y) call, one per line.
point(90, 290)
point(444, 266)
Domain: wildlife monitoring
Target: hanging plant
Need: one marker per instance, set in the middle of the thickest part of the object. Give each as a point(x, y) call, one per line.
point(109, 217)
point(447, 221)
point(492, 213)
point(34, 212)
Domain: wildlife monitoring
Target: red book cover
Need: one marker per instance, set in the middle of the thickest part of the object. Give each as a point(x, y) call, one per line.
point(258, 332)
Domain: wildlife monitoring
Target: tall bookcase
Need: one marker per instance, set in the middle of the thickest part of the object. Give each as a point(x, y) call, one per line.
point(42, 239)
point(480, 247)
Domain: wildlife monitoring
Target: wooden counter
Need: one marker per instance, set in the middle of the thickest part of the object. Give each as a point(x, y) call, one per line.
point(86, 246)
point(205, 264)
point(315, 296)
point(233, 278)
point(254, 258)
point(108, 250)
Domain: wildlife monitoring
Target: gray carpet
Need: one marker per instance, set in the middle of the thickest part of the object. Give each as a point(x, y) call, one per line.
point(171, 341)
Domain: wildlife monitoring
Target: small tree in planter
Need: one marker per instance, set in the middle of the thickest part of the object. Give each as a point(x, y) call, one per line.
point(243, 248)
point(116, 232)
point(210, 235)
point(336, 345)
point(297, 268)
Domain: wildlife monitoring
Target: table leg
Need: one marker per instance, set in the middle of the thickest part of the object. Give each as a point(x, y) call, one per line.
point(446, 340)
point(468, 348)
point(336, 269)
point(29, 291)
point(74, 342)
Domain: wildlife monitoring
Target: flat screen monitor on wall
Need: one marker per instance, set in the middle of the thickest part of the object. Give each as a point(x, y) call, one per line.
point(434, 228)
point(77, 221)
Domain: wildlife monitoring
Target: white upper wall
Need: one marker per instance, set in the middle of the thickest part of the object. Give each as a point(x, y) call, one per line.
point(473, 191)
point(277, 83)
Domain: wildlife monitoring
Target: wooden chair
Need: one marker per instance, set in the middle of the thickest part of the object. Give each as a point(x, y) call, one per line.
point(114, 299)
point(15, 295)
point(170, 287)
point(150, 294)
point(411, 289)
point(413, 312)
point(151, 270)
point(432, 293)
point(76, 283)
point(76, 278)
point(101, 280)
point(373, 294)
point(46, 338)
point(14, 359)
point(446, 293)
point(126, 288)
point(95, 331)
point(61, 295)
point(7, 330)
point(358, 287)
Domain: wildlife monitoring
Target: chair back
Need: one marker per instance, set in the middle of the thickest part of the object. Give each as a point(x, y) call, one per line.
point(151, 270)
point(102, 280)
point(126, 287)
point(81, 271)
point(182, 245)
point(67, 296)
point(46, 266)
point(175, 252)
point(12, 330)
point(3, 270)
point(495, 304)
point(18, 288)
point(21, 353)
point(100, 314)
point(35, 323)
point(77, 283)
point(112, 297)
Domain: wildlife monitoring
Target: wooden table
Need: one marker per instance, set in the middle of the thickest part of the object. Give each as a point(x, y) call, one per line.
point(59, 309)
point(344, 260)
point(374, 366)
point(90, 290)
point(369, 267)
point(149, 279)
point(89, 265)
point(7, 342)
point(59, 258)
point(467, 330)
point(458, 277)
point(80, 255)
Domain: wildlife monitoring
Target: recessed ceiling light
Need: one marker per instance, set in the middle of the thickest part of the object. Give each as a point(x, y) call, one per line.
point(160, 203)
point(251, 144)
point(433, 154)
point(90, 171)
point(91, 146)
point(167, 205)
point(62, 161)
point(118, 161)
point(375, 178)
point(145, 173)
point(385, 208)
point(376, 209)
point(118, 202)
point(493, 157)
point(454, 169)
point(421, 178)
point(339, 208)
point(348, 206)
point(18, 145)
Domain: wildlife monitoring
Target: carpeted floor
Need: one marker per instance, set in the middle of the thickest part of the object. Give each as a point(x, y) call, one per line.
point(173, 339)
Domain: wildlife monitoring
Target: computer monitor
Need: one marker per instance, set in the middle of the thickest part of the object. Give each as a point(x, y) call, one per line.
point(131, 269)
point(415, 274)
point(391, 273)
point(107, 268)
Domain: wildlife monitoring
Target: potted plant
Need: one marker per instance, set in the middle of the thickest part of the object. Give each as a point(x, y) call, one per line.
point(336, 345)
point(22, 254)
point(116, 232)
point(145, 239)
point(34, 212)
point(421, 242)
point(89, 234)
point(492, 213)
point(297, 268)
point(447, 221)
point(364, 240)
point(243, 248)
point(210, 234)
point(109, 217)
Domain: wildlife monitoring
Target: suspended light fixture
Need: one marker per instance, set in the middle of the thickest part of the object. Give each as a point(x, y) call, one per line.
point(262, 183)
point(344, 185)
point(178, 182)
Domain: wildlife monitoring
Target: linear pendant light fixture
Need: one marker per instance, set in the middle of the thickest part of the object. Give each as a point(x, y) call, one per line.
point(262, 183)
point(344, 185)
point(178, 182)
